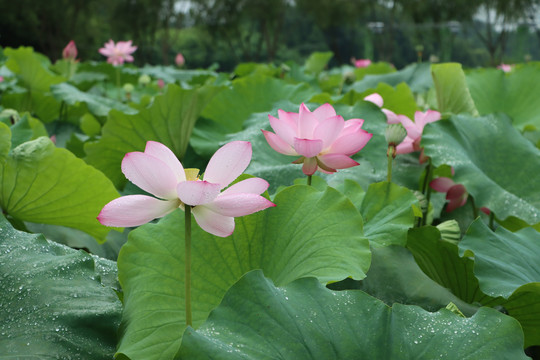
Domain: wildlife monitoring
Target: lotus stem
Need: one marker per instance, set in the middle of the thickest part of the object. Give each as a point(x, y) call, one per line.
point(188, 264)
point(309, 180)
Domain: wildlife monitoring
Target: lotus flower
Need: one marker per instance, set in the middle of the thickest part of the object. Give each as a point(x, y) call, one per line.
point(362, 63)
point(322, 138)
point(158, 171)
point(505, 67)
point(117, 54)
point(455, 193)
point(70, 51)
point(414, 131)
point(179, 59)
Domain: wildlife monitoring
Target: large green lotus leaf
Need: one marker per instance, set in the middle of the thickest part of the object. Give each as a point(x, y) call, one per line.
point(492, 160)
point(45, 184)
point(169, 120)
point(317, 61)
point(27, 65)
point(98, 105)
point(395, 277)
point(387, 213)
point(504, 260)
point(308, 233)
point(55, 302)
point(252, 94)
point(453, 95)
point(170, 74)
point(5, 142)
point(440, 260)
point(507, 264)
point(417, 76)
point(513, 93)
point(43, 105)
point(304, 320)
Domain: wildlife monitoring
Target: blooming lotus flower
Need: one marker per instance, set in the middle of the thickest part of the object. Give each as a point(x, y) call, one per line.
point(179, 59)
point(322, 138)
point(455, 193)
point(117, 54)
point(70, 51)
point(362, 63)
point(158, 172)
point(414, 130)
point(505, 67)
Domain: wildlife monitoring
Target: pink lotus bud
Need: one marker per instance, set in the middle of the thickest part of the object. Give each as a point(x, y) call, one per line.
point(70, 51)
point(160, 83)
point(179, 59)
point(1, 78)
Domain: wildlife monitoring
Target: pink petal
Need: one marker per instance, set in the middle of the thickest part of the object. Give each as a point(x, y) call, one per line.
point(239, 204)
point(406, 146)
point(337, 161)
point(308, 148)
point(427, 117)
point(456, 191)
point(134, 210)
point(278, 144)
point(212, 222)
point(328, 130)
point(290, 118)
point(283, 129)
point(228, 163)
point(163, 153)
point(247, 186)
point(456, 202)
point(351, 143)
point(391, 117)
point(310, 166)
point(441, 184)
point(414, 130)
point(307, 122)
point(352, 126)
point(197, 192)
point(324, 111)
point(150, 174)
point(375, 99)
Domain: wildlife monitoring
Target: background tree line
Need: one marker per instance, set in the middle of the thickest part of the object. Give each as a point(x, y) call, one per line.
point(226, 32)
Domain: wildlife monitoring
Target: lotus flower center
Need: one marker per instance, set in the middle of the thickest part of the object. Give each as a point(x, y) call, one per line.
point(192, 174)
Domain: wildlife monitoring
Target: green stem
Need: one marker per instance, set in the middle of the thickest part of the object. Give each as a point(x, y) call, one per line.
point(118, 82)
point(309, 180)
point(390, 155)
point(426, 190)
point(491, 221)
point(188, 264)
point(475, 210)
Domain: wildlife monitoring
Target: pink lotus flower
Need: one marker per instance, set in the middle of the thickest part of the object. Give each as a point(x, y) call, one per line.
point(414, 131)
point(158, 171)
point(70, 51)
point(455, 193)
point(362, 63)
point(117, 54)
point(322, 138)
point(179, 59)
point(160, 83)
point(505, 67)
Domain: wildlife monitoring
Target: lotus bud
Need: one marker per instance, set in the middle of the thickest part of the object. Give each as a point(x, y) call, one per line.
point(70, 51)
point(144, 79)
point(128, 88)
